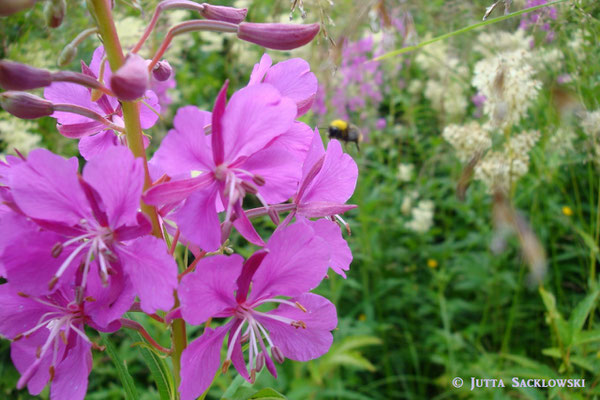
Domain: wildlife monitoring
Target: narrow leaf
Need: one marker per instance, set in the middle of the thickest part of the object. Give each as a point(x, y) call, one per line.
point(581, 312)
point(126, 379)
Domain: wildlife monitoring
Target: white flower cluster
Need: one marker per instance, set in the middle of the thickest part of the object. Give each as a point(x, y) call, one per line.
point(422, 217)
point(506, 80)
point(561, 143)
point(15, 134)
point(467, 140)
point(491, 43)
point(445, 88)
point(498, 170)
point(405, 172)
point(591, 124)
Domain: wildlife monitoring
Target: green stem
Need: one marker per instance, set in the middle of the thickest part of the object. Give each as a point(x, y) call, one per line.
point(179, 343)
point(131, 114)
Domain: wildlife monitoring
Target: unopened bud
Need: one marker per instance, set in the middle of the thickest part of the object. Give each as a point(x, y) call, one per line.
point(277, 355)
point(17, 76)
point(131, 81)
point(162, 71)
point(54, 12)
point(25, 105)
point(221, 13)
point(67, 56)
point(278, 36)
point(9, 7)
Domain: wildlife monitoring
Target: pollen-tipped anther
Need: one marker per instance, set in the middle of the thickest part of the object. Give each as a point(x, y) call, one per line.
point(277, 354)
point(52, 282)
point(301, 307)
point(260, 361)
point(225, 366)
point(249, 187)
point(259, 180)
point(51, 371)
point(56, 250)
point(298, 324)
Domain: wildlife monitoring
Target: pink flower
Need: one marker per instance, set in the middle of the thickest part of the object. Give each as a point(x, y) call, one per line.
point(294, 262)
point(93, 135)
point(255, 147)
point(49, 341)
point(292, 78)
point(90, 221)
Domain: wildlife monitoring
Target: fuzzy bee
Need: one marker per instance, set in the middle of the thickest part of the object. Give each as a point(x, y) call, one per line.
point(345, 131)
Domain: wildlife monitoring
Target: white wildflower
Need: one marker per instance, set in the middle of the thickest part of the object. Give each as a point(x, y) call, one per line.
point(422, 217)
point(591, 123)
point(467, 140)
point(405, 172)
point(507, 83)
point(16, 134)
point(490, 43)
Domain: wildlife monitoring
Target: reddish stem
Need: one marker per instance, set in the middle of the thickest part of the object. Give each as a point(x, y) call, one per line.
point(175, 240)
point(193, 264)
point(127, 323)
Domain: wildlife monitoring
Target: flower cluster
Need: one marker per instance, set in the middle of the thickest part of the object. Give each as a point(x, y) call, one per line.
point(81, 247)
point(468, 140)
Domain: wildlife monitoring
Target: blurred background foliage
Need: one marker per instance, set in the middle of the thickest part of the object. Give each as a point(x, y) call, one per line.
point(426, 298)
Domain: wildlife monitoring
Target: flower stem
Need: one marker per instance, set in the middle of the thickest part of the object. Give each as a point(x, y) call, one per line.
point(131, 114)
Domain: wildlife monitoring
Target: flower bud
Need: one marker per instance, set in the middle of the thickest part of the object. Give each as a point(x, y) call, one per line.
point(67, 55)
point(25, 105)
point(278, 36)
point(162, 71)
point(221, 13)
point(131, 81)
point(9, 7)
point(16, 76)
point(54, 12)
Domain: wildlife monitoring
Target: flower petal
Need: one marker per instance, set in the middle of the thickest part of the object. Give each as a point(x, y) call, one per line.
point(18, 314)
point(259, 70)
point(71, 376)
point(198, 220)
point(91, 146)
point(303, 344)
point(209, 291)
point(340, 254)
point(46, 187)
point(152, 271)
point(200, 361)
point(296, 263)
point(293, 79)
point(119, 179)
point(149, 108)
point(23, 354)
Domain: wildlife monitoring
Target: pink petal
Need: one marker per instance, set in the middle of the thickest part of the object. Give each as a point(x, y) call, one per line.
point(152, 271)
point(217, 138)
point(260, 69)
point(176, 191)
point(237, 356)
point(186, 148)
point(71, 376)
point(148, 117)
point(298, 343)
point(80, 130)
point(320, 209)
point(209, 290)
point(245, 227)
point(109, 302)
point(47, 187)
point(18, 314)
point(245, 278)
point(336, 180)
point(23, 354)
point(254, 116)
point(199, 211)
point(296, 263)
point(200, 361)
point(71, 93)
point(119, 179)
point(315, 152)
point(97, 58)
point(294, 80)
point(340, 254)
point(91, 146)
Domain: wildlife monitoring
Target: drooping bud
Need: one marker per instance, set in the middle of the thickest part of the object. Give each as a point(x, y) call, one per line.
point(67, 55)
point(162, 71)
point(278, 36)
point(54, 12)
point(10, 7)
point(131, 81)
point(17, 76)
point(222, 13)
point(25, 105)
point(277, 355)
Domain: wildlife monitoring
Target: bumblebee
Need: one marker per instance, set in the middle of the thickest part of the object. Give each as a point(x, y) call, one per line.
point(345, 131)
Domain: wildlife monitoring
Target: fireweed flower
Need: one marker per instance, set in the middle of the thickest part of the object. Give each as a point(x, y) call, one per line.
point(292, 78)
point(49, 341)
point(294, 262)
point(90, 221)
point(256, 146)
point(93, 135)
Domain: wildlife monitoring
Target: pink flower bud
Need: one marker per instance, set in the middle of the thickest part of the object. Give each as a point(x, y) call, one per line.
point(162, 71)
point(25, 105)
point(9, 7)
point(16, 76)
point(131, 81)
point(54, 12)
point(221, 13)
point(278, 36)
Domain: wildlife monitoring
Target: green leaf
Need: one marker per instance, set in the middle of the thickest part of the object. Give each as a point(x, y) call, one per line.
point(159, 369)
point(126, 379)
point(581, 312)
point(587, 337)
point(267, 394)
